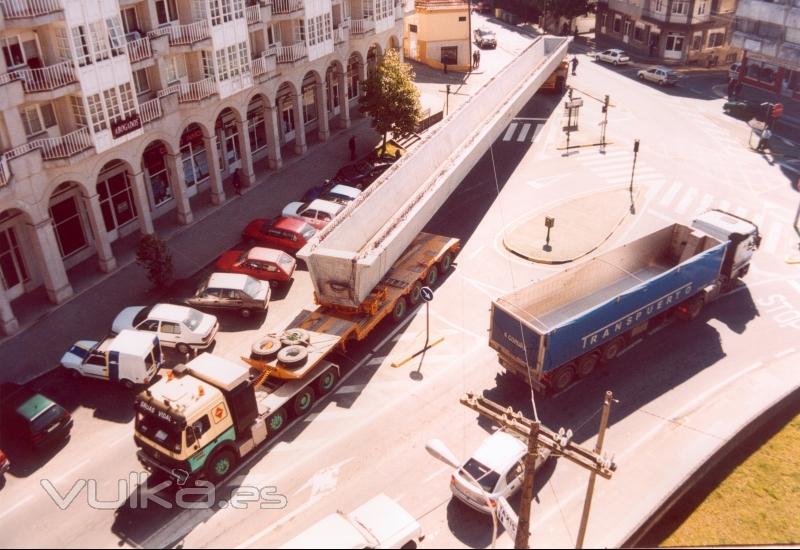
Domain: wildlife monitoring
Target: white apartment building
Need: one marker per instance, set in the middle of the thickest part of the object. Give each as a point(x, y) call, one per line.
point(116, 112)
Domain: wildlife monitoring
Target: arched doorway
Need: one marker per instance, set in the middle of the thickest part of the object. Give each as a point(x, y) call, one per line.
point(15, 262)
point(194, 158)
point(70, 222)
point(286, 107)
point(354, 70)
point(257, 130)
point(373, 58)
point(334, 98)
point(227, 131)
point(115, 190)
point(157, 174)
point(311, 102)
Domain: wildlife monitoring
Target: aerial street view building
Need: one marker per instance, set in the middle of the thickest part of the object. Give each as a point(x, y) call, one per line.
point(394, 274)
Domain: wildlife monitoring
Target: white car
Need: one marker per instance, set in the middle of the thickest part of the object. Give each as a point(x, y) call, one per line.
point(497, 466)
point(379, 523)
point(181, 327)
point(613, 56)
point(663, 76)
point(341, 194)
point(317, 212)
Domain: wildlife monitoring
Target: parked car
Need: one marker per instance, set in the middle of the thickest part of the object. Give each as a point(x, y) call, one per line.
point(266, 264)
point(283, 232)
point(733, 71)
point(613, 56)
point(484, 38)
point(360, 174)
point(32, 418)
point(232, 291)
point(318, 213)
point(482, 7)
point(378, 523)
point(663, 76)
point(498, 466)
point(341, 194)
point(745, 108)
point(181, 327)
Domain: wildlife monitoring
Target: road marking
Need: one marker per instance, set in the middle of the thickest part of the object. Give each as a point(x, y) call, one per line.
point(669, 196)
point(15, 506)
point(725, 205)
point(784, 353)
point(772, 237)
point(436, 474)
point(524, 132)
point(69, 472)
point(741, 211)
point(279, 523)
point(705, 203)
point(475, 252)
point(536, 132)
point(794, 285)
point(683, 205)
point(510, 131)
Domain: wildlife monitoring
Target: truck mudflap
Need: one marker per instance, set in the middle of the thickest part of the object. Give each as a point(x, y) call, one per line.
point(522, 372)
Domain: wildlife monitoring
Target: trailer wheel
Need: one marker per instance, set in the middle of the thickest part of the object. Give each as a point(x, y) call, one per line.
point(293, 355)
point(432, 276)
point(587, 364)
point(563, 378)
point(265, 348)
point(326, 382)
point(276, 421)
point(399, 310)
point(303, 401)
point(446, 262)
point(691, 309)
point(415, 294)
point(220, 465)
point(612, 349)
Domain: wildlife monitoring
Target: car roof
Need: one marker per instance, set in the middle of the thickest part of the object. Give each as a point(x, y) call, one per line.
point(325, 206)
point(332, 531)
point(236, 281)
point(289, 224)
point(169, 312)
point(264, 254)
point(385, 519)
point(500, 451)
point(34, 406)
point(346, 190)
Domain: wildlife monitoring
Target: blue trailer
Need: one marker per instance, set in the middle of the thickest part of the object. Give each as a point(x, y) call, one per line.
point(554, 331)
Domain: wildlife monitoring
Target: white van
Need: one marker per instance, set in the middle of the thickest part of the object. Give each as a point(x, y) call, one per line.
point(131, 358)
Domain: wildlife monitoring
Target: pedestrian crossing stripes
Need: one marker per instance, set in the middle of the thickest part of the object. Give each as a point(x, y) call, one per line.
point(684, 200)
point(523, 130)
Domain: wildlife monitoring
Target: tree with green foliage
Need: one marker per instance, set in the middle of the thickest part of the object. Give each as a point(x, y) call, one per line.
point(564, 8)
point(152, 254)
point(390, 97)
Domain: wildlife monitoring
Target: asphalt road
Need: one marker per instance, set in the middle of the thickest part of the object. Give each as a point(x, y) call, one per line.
point(369, 436)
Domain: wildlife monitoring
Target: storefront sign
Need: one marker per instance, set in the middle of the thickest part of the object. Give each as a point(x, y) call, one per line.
point(126, 126)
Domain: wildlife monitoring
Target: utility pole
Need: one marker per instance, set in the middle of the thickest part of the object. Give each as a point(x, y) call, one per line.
point(606, 101)
point(559, 443)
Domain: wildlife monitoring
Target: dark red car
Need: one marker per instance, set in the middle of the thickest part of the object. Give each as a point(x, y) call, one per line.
point(290, 234)
point(267, 264)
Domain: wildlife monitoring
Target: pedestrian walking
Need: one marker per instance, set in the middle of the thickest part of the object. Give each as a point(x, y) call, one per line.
point(731, 89)
point(737, 89)
point(574, 64)
point(236, 182)
point(763, 142)
point(475, 59)
point(445, 68)
point(352, 145)
point(478, 63)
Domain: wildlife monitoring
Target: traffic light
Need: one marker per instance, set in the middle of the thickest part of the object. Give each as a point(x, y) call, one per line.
point(605, 104)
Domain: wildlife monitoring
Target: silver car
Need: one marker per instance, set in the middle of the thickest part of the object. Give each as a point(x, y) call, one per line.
point(234, 291)
point(663, 76)
point(613, 56)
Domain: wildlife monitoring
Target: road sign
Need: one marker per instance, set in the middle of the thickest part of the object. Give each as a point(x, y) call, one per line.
point(508, 517)
point(777, 110)
point(426, 293)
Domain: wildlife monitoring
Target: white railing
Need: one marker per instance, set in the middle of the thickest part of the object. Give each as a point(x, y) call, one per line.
point(286, 6)
point(196, 91)
point(174, 89)
point(66, 146)
point(341, 34)
point(291, 53)
point(5, 172)
point(189, 34)
point(139, 49)
point(253, 14)
point(362, 26)
point(150, 110)
point(46, 78)
point(16, 9)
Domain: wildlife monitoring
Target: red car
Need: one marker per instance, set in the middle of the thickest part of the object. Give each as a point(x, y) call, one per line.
point(267, 264)
point(290, 234)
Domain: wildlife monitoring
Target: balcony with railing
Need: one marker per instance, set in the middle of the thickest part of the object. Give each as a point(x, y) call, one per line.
point(362, 26)
point(183, 35)
point(291, 53)
point(341, 34)
point(43, 79)
point(55, 148)
point(150, 110)
point(197, 91)
point(253, 14)
point(139, 50)
point(21, 9)
point(5, 171)
point(283, 7)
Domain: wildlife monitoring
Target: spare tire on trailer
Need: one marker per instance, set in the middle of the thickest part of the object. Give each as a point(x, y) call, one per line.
point(295, 336)
point(265, 348)
point(293, 356)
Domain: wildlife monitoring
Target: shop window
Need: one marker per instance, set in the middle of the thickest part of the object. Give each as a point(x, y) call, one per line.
point(155, 164)
point(450, 55)
point(12, 264)
point(68, 226)
point(617, 23)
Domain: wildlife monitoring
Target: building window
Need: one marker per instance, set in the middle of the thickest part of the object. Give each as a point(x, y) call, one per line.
point(716, 39)
point(462, 19)
point(116, 35)
point(12, 264)
point(193, 155)
point(175, 68)
point(78, 112)
point(627, 31)
point(68, 226)
point(617, 23)
point(127, 99)
point(257, 130)
point(638, 33)
point(96, 113)
point(449, 55)
point(141, 81)
point(674, 43)
point(36, 118)
point(155, 164)
point(701, 7)
point(116, 199)
point(130, 22)
point(697, 41)
point(112, 105)
point(680, 8)
point(99, 41)
point(413, 28)
point(166, 11)
point(309, 105)
point(12, 51)
point(81, 45)
point(660, 6)
point(300, 31)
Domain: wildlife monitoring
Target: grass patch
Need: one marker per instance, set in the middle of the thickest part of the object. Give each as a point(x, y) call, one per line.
point(758, 503)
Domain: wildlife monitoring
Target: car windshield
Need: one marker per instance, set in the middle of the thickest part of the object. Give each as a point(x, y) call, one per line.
point(193, 319)
point(482, 474)
point(202, 288)
point(284, 259)
point(158, 430)
point(42, 420)
point(307, 231)
point(252, 287)
point(141, 316)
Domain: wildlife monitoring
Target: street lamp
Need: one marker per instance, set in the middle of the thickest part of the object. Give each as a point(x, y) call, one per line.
point(633, 169)
point(438, 450)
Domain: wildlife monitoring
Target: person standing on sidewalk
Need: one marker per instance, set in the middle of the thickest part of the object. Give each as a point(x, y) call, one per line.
point(574, 64)
point(352, 145)
point(236, 182)
point(737, 88)
point(731, 89)
point(477, 58)
point(763, 142)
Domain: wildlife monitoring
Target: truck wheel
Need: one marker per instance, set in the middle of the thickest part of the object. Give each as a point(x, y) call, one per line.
point(416, 294)
point(265, 348)
point(127, 384)
point(303, 401)
point(326, 382)
point(220, 465)
point(183, 349)
point(293, 355)
point(399, 310)
point(612, 349)
point(587, 364)
point(446, 263)
point(563, 378)
point(276, 421)
point(691, 309)
point(74, 374)
point(432, 276)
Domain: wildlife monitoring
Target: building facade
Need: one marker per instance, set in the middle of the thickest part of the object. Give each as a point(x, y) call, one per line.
point(438, 32)
point(769, 34)
point(680, 32)
point(116, 112)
